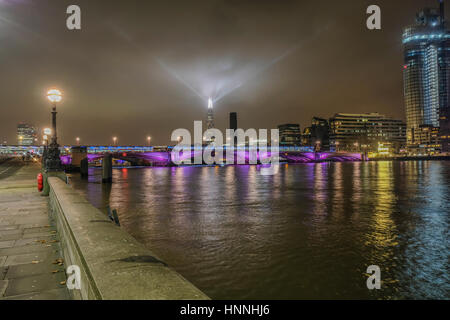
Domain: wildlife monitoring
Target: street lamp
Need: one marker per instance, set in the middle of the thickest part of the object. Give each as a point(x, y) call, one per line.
point(78, 141)
point(114, 140)
point(53, 161)
point(148, 140)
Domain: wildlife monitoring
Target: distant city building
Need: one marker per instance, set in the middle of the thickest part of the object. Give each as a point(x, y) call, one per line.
point(290, 135)
point(444, 130)
point(306, 137)
point(426, 77)
point(233, 124)
point(364, 132)
point(210, 118)
point(26, 135)
point(317, 135)
point(233, 120)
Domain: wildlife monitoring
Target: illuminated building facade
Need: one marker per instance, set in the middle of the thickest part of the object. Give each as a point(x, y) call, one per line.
point(210, 117)
point(290, 135)
point(26, 134)
point(430, 143)
point(364, 132)
point(444, 130)
point(426, 74)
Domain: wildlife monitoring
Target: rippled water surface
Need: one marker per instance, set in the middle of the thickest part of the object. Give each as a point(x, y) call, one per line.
point(310, 231)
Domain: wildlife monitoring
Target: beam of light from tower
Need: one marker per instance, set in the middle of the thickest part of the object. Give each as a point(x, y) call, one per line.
point(180, 79)
point(270, 64)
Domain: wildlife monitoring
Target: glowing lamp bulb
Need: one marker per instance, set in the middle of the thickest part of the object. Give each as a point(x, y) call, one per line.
point(210, 103)
point(54, 95)
point(47, 131)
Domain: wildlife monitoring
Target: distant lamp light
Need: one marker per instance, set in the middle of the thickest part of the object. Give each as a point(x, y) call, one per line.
point(54, 95)
point(210, 103)
point(48, 131)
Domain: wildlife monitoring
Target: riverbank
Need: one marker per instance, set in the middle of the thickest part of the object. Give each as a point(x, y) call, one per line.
point(413, 158)
point(112, 264)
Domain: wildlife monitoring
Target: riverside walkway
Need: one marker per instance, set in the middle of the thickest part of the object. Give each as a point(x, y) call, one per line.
point(31, 267)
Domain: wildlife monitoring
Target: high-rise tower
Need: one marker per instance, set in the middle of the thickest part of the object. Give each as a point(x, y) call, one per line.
point(426, 72)
point(210, 119)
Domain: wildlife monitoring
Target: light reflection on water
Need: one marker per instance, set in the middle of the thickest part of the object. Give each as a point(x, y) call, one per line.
point(308, 232)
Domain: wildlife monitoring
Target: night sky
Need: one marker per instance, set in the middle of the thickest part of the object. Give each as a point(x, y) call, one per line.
point(140, 68)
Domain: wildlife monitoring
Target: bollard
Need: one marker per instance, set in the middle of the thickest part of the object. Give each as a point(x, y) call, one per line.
point(113, 216)
point(107, 168)
point(116, 217)
point(84, 168)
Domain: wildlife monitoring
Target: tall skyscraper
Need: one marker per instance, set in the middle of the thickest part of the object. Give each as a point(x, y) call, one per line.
point(426, 72)
point(210, 119)
point(233, 121)
point(26, 134)
point(233, 124)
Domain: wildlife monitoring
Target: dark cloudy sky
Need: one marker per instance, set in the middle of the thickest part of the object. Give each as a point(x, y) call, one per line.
point(141, 68)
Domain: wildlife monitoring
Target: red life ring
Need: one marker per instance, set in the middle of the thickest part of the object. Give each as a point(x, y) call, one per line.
point(40, 181)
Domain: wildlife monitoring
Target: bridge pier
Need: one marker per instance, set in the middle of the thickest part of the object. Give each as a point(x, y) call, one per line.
point(107, 168)
point(84, 167)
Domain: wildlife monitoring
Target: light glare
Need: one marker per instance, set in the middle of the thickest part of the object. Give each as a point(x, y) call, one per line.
point(54, 95)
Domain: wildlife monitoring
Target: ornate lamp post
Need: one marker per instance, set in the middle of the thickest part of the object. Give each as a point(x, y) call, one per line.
point(53, 161)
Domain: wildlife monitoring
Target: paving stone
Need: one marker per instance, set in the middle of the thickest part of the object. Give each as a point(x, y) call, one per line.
point(37, 235)
point(10, 237)
point(26, 270)
point(37, 230)
point(25, 249)
point(9, 232)
point(8, 227)
point(55, 294)
point(7, 244)
point(3, 271)
point(32, 241)
point(28, 258)
point(3, 286)
point(37, 283)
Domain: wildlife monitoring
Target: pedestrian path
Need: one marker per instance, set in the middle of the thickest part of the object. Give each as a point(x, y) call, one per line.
point(31, 266)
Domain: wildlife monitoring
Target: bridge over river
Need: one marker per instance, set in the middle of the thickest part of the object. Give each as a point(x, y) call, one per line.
point(162, 156)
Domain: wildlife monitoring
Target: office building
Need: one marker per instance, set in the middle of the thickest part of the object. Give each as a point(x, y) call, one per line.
point(426, 77)
point(26, 135)
point(290, 135)
point(363, 132)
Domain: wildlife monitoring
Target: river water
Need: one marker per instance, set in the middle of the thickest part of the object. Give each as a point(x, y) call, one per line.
point(308, 232)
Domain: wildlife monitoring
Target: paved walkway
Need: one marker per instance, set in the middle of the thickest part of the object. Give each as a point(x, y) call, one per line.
point(30, 263)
